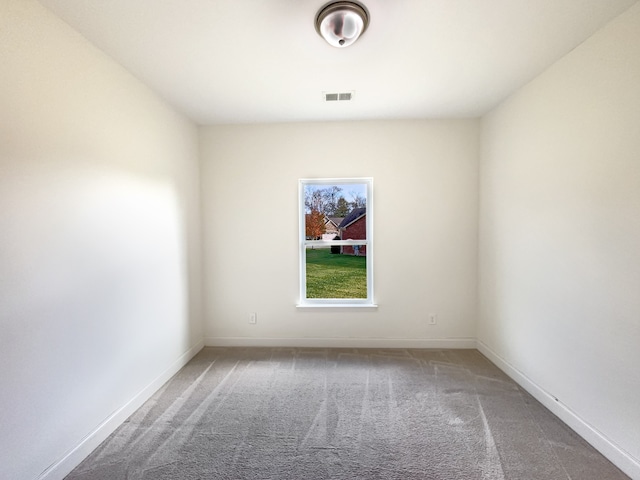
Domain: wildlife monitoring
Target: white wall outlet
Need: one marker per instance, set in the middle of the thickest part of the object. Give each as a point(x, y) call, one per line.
point(433, 318)
point(253, 318)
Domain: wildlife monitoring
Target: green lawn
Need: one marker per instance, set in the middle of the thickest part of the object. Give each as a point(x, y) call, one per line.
point(335, 276)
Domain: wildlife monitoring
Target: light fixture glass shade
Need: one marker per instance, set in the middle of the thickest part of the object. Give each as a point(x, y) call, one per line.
point(341, 23)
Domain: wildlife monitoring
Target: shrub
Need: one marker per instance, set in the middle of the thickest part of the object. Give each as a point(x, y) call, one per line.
point(335, 248)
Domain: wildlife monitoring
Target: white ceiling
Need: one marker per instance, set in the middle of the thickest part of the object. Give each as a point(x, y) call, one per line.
point(245, 61)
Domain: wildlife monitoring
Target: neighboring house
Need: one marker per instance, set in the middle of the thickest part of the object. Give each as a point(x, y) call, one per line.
point(331, 227)
point(354, 227)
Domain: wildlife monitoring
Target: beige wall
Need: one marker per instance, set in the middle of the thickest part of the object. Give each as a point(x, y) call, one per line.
point(560, 237)
point(425, 227)
point(99, 244)
point(100, 219)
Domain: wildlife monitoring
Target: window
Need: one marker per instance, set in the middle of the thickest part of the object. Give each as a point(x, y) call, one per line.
point(336, 242)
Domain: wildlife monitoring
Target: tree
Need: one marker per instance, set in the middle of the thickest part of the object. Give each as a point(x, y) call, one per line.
point(323, 200)
point(313, 200)
point(314, 224)
point(331, 199)
point(358, 200)
point(342, 208)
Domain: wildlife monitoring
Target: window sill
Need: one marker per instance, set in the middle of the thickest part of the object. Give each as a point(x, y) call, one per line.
point(371, 306)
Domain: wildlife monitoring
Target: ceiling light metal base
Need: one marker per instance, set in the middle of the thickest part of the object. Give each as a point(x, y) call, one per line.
point(342, 23)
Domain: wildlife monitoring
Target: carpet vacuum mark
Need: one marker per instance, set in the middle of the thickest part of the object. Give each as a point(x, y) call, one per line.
point(302, 413)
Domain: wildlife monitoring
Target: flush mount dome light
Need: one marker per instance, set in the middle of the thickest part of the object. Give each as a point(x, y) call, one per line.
point(341, 23)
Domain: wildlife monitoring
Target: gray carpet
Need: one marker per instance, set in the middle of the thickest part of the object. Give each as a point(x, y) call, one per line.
point(282, 413)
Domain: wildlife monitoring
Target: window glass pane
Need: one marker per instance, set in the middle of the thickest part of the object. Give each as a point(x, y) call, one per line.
point(327, 206)
point(336, 272)
point(336, 249)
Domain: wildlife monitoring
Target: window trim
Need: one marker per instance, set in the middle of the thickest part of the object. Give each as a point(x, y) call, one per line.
point(303, 243)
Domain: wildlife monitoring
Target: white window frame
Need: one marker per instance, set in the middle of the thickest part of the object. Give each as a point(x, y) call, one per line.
point(304, 243)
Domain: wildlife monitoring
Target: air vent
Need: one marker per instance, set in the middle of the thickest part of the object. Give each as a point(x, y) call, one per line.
point(338, 97)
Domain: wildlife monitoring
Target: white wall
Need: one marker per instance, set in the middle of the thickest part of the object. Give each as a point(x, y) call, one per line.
point(425, 226)
point(99, 242)
point(560, 238)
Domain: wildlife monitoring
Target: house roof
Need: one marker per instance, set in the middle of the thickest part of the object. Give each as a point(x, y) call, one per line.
point(355, 214)
point(336, 220)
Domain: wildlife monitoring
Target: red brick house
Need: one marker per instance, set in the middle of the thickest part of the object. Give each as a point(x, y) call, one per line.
point(354, 227)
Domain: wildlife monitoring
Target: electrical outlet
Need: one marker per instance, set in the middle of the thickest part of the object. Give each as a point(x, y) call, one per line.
point(253, 318)
point(433, 318)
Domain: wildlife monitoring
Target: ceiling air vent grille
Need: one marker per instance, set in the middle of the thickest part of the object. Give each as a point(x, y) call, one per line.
point(338, 97)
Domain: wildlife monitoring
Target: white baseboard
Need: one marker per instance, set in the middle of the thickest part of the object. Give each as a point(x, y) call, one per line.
point(74, 457)
point(340, 342)
point(618, 456)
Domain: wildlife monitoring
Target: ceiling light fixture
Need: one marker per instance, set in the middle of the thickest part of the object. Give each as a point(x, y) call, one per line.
point(341, 23)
